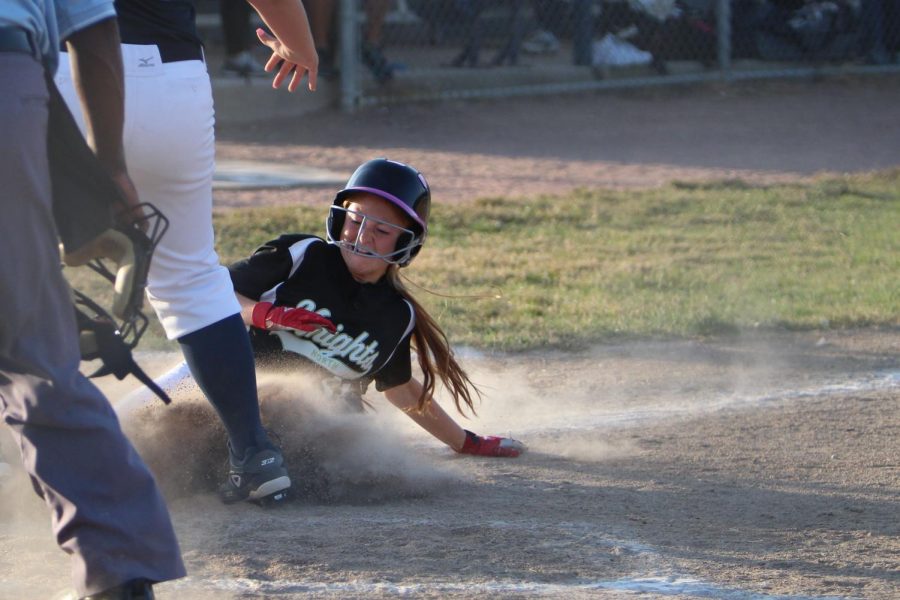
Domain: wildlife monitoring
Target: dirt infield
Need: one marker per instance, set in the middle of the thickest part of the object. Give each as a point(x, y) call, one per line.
point(762, 132)
point(745, 469)
point(755, 467)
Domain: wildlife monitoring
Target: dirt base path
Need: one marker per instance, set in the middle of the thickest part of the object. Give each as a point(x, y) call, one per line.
point(750, 468)
point(760, 132)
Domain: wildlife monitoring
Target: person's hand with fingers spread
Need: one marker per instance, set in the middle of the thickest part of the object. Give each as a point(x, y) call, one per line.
point(285, 62)
point(291, 42)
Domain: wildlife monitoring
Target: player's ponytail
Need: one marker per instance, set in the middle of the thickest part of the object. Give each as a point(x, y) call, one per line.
point(435, 355)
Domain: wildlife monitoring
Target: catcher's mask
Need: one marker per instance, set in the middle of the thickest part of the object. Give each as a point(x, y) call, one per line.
point(111, 338)
point(397, 183)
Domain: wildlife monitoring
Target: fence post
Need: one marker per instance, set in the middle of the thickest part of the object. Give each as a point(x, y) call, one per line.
point(723, 27)
point(582, 15)
point(349, 39)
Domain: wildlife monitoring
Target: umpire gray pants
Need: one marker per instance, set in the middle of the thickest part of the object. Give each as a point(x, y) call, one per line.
point(107, 512)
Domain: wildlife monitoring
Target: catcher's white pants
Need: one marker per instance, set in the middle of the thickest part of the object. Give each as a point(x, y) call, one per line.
point(170, 152)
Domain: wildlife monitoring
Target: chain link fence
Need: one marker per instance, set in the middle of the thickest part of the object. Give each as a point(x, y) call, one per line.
point(402, 50)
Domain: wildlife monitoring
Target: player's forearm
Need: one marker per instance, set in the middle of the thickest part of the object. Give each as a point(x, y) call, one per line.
point(246, 308)
point(288, 22)
point(434, 420)
point(96, 59)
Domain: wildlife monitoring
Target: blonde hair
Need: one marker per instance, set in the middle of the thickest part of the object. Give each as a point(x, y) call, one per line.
point(436, 358)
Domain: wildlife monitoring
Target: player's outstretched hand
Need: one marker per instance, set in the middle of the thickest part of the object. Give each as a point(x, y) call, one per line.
point(491, 446)
point(287, 61)
point(268, 316)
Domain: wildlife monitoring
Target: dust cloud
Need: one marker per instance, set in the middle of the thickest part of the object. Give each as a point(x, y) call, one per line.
point(334, 454)
point(549, 417)
point(563, 406)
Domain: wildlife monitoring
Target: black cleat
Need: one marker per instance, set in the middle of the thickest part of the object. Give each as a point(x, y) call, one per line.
point(259, 476)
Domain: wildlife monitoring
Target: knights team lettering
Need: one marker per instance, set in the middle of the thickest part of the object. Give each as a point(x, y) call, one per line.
point(340, 353)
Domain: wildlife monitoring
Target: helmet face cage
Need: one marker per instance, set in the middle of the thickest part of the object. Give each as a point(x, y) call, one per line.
point(408, 243)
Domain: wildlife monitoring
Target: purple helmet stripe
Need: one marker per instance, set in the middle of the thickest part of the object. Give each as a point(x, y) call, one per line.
point(390, 198)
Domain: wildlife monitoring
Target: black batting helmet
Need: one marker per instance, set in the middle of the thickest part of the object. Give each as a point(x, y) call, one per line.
point(399, 184)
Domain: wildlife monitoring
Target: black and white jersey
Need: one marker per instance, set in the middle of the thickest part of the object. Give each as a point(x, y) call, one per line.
point(373, 321)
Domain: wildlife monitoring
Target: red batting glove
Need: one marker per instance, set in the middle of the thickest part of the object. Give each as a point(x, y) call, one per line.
point(268, 316)
point(491, 446)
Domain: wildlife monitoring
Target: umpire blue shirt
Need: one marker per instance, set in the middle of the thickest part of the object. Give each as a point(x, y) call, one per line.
point(48, 21)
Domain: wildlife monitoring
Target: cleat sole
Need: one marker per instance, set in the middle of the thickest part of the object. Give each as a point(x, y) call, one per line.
point(271, 488)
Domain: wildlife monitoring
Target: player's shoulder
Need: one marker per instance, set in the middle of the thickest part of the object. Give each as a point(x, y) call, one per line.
point(286, 240)
point(291, 242)
point(306, 253)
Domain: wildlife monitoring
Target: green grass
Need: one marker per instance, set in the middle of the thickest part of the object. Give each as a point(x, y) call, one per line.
point(684, 260)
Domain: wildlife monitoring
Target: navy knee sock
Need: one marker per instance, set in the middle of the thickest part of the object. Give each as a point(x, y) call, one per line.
point(221, 361)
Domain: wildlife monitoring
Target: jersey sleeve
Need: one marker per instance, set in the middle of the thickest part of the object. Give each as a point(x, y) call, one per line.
point(271, 264)
point(398, 369)
point(72, 17)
